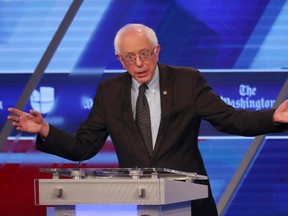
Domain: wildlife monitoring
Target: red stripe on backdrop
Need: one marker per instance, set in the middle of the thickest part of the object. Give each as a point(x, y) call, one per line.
point(22, 146)
point(17, 180)
point(17, 188)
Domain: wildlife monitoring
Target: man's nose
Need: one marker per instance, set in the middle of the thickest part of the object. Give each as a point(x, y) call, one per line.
point(138, 61)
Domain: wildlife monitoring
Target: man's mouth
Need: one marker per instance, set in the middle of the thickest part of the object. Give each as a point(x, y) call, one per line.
point(141, 73)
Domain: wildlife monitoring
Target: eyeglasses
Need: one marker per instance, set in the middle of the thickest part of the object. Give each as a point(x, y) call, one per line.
point(143, 55)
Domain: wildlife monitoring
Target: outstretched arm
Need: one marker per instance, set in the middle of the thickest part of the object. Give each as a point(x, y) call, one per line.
point(281, 113)
point(31, 122)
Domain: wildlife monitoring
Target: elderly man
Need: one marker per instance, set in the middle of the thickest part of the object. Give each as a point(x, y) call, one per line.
point(158, 129)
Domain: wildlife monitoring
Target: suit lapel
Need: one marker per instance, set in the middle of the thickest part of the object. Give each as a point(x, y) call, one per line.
point(127, 108)
point(166, 93)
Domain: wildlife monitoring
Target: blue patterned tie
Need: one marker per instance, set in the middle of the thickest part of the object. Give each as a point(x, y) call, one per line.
point(142, 118)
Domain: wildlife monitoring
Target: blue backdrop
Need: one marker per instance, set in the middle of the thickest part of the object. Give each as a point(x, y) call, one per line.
point(241, 48)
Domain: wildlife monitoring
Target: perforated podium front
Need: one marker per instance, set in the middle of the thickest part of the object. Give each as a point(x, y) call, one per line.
point(153, 191)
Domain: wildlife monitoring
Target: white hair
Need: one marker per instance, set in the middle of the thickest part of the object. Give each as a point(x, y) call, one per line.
point(136, 27)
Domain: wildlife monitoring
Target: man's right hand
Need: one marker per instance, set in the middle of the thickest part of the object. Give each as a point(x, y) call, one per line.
point(31, 122)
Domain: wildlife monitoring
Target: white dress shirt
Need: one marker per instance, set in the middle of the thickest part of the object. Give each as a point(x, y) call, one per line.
point(153, 97)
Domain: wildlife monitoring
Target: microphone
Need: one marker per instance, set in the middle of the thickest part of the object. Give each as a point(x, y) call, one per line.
point(105, 134)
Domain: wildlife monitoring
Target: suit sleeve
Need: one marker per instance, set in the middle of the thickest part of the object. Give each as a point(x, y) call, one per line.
point(88, 140)
point(228, 119)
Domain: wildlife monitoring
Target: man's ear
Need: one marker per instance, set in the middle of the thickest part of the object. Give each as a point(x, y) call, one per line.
point(121, 61)
point(157, 49)
point(118, 57)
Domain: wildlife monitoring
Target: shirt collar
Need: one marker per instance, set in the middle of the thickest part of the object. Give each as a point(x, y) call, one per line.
point(153, 85)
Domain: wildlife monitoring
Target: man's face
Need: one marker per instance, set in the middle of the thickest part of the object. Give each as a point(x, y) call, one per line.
point(138, 56)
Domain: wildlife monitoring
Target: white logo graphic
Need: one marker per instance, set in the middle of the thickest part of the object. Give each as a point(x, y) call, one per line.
point(246, 90)
point(87, 102)
point(248, 99)
point(42, 100)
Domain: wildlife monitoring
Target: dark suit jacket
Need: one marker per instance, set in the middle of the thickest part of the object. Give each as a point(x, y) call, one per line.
point(186, 98)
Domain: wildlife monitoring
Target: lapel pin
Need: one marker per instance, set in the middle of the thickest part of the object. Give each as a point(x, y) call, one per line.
point(165, 92)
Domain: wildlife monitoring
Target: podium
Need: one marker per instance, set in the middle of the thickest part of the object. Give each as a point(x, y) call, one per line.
point(152, 191)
